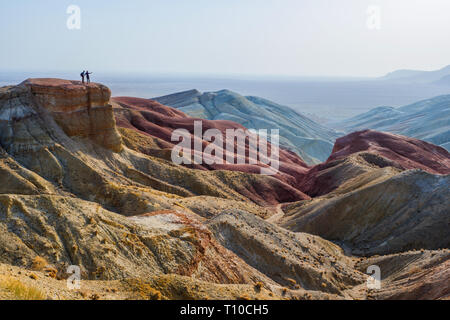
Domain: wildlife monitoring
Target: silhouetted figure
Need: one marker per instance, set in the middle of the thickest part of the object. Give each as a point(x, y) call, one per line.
point(87, 76)
point(82, 76)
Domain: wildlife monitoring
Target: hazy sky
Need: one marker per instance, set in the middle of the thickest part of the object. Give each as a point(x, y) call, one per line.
point(278, 37)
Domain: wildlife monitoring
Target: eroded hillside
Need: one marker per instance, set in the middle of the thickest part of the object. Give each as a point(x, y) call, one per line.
point(87, 180)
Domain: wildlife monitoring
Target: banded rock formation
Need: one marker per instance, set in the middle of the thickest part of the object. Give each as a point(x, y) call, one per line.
point(298, 133)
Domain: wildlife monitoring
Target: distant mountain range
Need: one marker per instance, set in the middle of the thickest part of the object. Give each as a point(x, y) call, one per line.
point(427, 120)
point(298, 133)
point(444, 81)
point(418, 76)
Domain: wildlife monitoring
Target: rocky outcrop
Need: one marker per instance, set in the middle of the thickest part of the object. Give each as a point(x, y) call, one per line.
point(57, 95)
point(80, 110)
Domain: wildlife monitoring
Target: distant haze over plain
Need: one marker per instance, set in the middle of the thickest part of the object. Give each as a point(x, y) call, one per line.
point(249, 37)
point(322, 98)
point(316, 56)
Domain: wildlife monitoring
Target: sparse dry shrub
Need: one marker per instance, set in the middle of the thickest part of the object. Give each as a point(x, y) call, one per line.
point(51, 272)
point(94, 297)
point(39, 263)
point(21, 291)
point(258, 286)
point(145, 290)
point(155, 295)
point(244, 297)
point(100, 270)
point(83, 293)
point(291, 282)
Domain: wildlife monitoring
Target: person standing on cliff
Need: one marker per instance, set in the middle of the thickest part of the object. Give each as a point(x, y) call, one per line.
point(87, 76)
point(82, 76)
